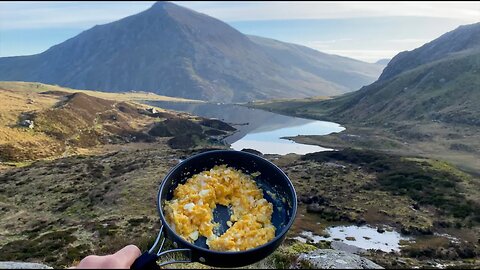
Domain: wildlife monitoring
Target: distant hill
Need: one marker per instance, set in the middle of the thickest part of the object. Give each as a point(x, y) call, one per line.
point(439, 81)
point(383, 61)
point(174, 51)
point(66, 121)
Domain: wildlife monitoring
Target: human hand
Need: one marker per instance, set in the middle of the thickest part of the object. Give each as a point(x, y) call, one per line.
point(121, 259)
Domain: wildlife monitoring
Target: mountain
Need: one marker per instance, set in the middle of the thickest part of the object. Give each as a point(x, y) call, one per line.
point(438, 81)
point(174, 51)
point(463, 38)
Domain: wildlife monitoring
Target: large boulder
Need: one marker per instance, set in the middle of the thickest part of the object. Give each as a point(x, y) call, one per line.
point(334, 259)
point(23, 265)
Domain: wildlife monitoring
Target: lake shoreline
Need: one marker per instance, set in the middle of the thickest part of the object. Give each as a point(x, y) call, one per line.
point(265, 131)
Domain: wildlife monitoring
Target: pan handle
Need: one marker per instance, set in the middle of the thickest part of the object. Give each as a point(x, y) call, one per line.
point(148, 260)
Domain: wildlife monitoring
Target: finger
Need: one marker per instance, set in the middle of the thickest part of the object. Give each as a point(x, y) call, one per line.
point(90, 262)
point(127, 255)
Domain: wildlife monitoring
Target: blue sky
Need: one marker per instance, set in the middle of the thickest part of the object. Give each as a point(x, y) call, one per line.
point(366, 31)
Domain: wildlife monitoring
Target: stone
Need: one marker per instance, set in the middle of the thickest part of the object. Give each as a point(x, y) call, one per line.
point(336, 245)
point(23, 265)
point(334, 259)
point(27, 123)
point(315, 208)
point(152, 110)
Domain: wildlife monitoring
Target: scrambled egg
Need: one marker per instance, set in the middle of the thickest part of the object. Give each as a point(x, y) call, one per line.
point(190, 212)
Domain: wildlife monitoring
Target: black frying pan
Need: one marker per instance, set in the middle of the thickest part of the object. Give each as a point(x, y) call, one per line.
point(271, 180)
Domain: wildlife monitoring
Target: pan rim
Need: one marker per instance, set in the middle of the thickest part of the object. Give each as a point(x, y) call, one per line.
point(213, 252)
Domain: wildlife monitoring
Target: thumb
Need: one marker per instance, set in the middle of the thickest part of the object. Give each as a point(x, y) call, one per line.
point(127, 255)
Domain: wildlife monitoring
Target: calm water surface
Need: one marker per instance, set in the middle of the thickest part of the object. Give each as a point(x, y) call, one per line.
point(259, 130)
point(364, 237)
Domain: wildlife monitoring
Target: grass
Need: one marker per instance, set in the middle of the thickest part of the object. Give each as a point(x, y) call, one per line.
point(439, 185)
point(34, 87)
point(102, 203)
point(67, 123)
point(432, 111)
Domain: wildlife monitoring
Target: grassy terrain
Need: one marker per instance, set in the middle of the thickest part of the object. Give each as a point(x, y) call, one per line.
point(444, 91)
point(34, 87)
point(97, 195)
point(364, 187)
point(456, 144)
point(67, 121)
point(431, 110)
point(96, 204)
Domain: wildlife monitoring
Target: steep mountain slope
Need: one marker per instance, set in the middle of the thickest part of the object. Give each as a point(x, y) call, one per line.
point(463, 38)
point(439, 81)
point(345, 73)
point(446, 90)
point(175, 51)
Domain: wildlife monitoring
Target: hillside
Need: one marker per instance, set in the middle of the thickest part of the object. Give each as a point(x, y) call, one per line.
point(174, 51)
point(439, 81)
point(43, 121)
point(445, 90)
point(465, 37)
point(100, 203)
point(430, 109)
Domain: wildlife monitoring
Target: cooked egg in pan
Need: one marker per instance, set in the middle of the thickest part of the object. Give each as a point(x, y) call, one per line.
point(190, 212)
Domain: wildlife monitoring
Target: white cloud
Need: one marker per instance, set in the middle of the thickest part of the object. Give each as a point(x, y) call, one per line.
point(363, 55)
point(239, 11)
point(330, 41)
point(410, 40)
point(21, 15)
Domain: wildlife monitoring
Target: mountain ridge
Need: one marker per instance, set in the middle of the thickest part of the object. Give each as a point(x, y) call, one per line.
point(445, 88)
point(174, 51)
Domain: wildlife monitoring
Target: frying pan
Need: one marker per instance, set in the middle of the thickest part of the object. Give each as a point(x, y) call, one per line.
point(277, 189)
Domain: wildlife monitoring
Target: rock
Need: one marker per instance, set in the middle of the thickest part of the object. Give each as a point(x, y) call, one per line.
point(360, 221)
point(27, 123)
point(380, 230)
point(334, 259)
point(334, 165)
point(305, 199)
point(346, 247)
point(152, 110)
point(23, 265)
point(315, 208)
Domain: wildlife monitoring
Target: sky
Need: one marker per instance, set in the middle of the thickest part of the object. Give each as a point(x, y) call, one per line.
point(367, 31)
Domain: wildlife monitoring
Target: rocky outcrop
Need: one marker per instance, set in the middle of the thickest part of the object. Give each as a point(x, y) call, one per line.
point(333, 259)
point(23, 265)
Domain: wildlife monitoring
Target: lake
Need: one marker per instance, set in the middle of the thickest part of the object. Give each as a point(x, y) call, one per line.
point(364, 237)
point(258, 129)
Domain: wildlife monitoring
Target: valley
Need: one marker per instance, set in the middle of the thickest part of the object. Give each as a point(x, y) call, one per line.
point(384, 156)
point(426, 103)
point(97, 197)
